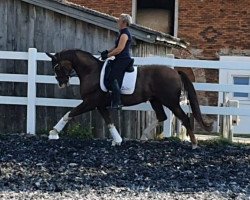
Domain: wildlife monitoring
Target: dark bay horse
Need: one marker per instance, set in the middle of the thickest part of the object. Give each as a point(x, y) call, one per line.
point(160, 85)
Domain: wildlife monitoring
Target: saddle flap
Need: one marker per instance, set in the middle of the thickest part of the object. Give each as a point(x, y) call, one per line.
point(130, 67)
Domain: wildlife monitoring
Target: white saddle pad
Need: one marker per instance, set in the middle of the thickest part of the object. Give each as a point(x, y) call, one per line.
point(128, 83)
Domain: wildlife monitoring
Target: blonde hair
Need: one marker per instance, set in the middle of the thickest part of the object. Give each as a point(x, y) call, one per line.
point(126, 18)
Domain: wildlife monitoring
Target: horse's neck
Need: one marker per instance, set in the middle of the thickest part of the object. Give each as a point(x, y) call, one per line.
point(87, 66)
point(88, 71)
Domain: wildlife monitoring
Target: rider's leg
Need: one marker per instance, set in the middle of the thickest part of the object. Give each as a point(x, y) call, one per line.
point(116, 95)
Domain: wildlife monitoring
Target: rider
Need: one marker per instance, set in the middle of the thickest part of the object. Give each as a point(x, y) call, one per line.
point(122, 59)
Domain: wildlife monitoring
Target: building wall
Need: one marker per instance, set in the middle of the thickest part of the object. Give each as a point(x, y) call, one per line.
point(111, 7)
point(194, 75)
point(25, 26)
point(211, 26)
point(215, 27)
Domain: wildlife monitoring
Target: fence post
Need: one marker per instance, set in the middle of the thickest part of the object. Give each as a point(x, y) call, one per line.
point(225, 130)
point(31, 106)
point(167, 125)
point(230, 128)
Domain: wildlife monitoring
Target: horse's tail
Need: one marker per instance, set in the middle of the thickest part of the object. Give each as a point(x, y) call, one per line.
point(188, 86)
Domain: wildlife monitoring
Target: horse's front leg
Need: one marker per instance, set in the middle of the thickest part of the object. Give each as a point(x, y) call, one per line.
point(117, 140)
point(81, 108)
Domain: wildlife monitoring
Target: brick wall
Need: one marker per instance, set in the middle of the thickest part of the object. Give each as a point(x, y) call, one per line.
point(211, 26)
point(110, 7)
point(215, 26)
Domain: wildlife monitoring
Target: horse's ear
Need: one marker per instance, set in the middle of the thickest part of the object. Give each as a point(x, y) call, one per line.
point(51, 56)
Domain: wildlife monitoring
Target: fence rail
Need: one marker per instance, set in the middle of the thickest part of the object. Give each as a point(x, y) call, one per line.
point(31, 101)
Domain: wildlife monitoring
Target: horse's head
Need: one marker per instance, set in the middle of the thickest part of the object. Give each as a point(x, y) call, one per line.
point(62, 68)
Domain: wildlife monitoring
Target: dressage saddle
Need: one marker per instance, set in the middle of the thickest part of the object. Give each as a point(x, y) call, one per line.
point(130, 67)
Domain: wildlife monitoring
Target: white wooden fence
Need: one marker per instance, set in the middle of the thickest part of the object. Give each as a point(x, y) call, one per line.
point(31, 101)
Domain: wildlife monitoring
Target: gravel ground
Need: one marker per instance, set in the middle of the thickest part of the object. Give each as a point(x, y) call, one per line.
point(31, 167)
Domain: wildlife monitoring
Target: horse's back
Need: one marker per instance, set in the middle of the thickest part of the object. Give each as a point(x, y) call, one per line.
point(159, 79)
point(157, 72)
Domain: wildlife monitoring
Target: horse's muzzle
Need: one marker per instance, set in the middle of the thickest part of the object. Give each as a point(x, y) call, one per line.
point(63, 85)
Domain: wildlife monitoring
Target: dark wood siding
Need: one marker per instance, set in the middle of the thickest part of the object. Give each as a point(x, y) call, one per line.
point(23, 26)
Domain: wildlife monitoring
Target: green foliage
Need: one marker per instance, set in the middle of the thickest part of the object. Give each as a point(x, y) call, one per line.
point(78, 131)
point(242, 135)
point(174, 139)
point(42, 132)
point(216, 142)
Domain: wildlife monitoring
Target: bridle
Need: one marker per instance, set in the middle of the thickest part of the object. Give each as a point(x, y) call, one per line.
point(54, 67)
point(66, 73)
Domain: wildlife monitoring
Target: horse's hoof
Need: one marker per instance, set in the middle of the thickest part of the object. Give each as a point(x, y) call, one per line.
point(194, 146)
point(53, 135)
point(114, 143)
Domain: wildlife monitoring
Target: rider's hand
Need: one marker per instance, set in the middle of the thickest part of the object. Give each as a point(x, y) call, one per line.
point(104, 55)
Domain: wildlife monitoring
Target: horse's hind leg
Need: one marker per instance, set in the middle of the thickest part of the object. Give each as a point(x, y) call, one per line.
point(178, 112)
point(159, 110)
point(160, 115)
point(113, 131)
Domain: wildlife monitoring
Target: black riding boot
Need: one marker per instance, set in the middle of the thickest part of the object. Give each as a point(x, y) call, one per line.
point(116, 95)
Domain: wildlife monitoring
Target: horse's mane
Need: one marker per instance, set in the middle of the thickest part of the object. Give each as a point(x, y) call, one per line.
point(70, 52)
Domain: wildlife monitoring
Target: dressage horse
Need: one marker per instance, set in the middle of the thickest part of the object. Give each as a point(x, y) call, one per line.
point(160, 85)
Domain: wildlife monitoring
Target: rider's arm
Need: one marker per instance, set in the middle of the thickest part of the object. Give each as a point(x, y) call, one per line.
point(120, 47)
point(110, 50)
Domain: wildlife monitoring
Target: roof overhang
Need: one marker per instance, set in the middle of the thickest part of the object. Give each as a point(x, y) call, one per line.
point(107, 22)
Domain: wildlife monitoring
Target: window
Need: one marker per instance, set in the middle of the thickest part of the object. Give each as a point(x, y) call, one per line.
point(159, 15)
point(241, 80)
